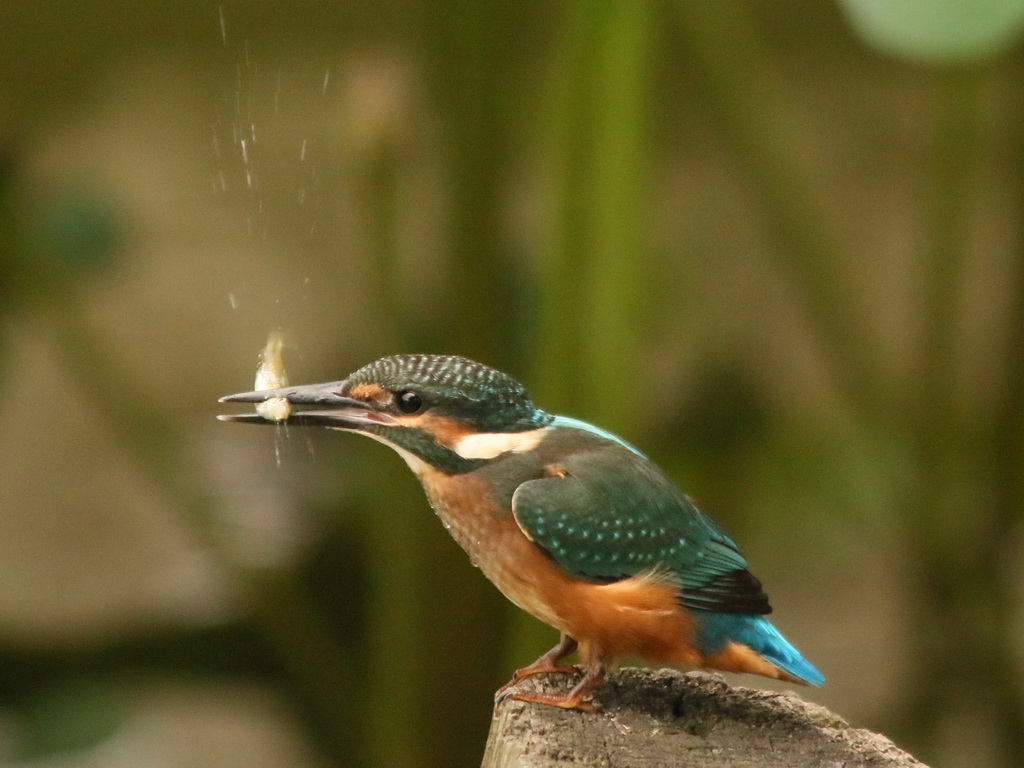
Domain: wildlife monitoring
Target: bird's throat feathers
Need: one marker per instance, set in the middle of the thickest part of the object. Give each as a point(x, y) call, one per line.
point(447, 445)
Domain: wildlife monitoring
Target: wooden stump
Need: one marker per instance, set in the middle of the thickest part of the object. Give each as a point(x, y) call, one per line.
point(667, 719)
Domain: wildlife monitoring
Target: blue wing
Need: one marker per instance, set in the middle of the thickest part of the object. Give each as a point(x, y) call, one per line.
point(607, 514)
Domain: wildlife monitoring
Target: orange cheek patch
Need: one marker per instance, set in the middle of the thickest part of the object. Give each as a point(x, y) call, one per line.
point(370, 393)
point(445, 431)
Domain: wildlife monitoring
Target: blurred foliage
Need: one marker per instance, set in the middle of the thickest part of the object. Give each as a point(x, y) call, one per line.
point(610, 303)
point(73, 716)
point(938, 30)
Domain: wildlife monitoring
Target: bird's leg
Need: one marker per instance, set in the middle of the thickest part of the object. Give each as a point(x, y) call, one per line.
point(546, 663)
point(593, 677)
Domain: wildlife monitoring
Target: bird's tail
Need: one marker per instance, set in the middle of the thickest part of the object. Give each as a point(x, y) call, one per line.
point(727, 638)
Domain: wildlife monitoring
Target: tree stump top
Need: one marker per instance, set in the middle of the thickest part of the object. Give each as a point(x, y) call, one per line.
point(667, 719)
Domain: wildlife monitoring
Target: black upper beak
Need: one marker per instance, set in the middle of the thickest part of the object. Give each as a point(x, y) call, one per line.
point(336, 409)
point(309, 394)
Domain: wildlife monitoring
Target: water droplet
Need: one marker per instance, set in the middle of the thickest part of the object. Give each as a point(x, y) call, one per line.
point(327, 79)
point(233, 300)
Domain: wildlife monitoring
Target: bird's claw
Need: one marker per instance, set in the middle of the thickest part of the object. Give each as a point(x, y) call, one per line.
point(552, 700)
point(577, 698)
point(534, 669)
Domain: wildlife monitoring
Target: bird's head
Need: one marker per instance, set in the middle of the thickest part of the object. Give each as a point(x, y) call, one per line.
point(443, 411)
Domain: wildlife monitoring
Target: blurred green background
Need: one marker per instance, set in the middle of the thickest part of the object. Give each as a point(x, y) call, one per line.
point(778, 246)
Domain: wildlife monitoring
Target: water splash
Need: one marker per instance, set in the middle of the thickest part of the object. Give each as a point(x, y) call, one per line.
point(248, 129)
point(280, 435)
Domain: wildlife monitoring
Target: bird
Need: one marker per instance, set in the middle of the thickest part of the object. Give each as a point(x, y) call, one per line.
point(573, 524)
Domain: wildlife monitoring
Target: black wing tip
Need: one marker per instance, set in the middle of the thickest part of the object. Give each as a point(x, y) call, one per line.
point(737, 591)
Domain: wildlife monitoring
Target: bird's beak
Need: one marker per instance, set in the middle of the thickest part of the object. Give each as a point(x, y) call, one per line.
point(327, 408)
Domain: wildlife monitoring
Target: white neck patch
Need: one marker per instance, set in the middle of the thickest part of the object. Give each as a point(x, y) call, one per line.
point(487, 445)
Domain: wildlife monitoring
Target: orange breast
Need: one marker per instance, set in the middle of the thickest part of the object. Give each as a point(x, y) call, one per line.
point(636, 617)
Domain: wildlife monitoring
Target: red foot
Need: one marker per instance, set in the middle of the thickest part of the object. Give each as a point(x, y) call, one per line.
point(575, 699)
point(570, 701)
point(546, 664)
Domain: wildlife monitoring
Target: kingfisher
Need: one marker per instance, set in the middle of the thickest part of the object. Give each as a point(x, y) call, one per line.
point(571, 523)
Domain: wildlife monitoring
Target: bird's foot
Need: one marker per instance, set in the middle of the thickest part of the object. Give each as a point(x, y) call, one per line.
point(577, 698)
point(569, 701)
point(546, 664)
point(535, 669)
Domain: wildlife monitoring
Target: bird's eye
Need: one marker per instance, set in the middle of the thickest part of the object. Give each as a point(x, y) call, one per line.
point(409, 401)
